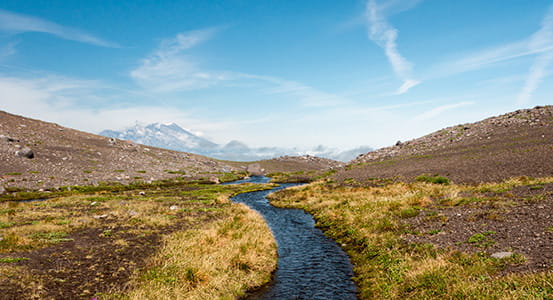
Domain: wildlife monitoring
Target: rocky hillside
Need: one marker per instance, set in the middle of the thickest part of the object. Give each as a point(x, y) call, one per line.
point(36, 154)
point(290, 164)
point(514, 144)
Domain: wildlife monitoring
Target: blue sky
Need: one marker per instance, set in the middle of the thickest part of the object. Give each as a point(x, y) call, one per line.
point(276, 73)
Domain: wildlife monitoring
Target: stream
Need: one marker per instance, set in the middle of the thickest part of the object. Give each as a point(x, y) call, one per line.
point(310, 265)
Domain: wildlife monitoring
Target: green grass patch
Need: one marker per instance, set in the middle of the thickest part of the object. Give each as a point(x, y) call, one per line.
point(13, 259)
point(436, 179)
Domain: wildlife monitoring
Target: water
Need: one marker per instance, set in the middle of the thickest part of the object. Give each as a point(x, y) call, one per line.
point(310, 265)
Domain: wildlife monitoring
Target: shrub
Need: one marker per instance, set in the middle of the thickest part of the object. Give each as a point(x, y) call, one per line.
point(436, 179)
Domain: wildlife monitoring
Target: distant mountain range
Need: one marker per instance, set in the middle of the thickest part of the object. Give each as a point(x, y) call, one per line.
point(172, 136)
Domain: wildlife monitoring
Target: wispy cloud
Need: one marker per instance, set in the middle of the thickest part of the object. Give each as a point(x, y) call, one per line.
point(385, 35)
point(169, 69)
point(16, 23)
point(309, 96)
point(7, 50)
point(539, 44)
point(542, 39)
point(440, 110)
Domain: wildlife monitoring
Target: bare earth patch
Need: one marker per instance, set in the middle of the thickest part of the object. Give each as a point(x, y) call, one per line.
point(518, 221)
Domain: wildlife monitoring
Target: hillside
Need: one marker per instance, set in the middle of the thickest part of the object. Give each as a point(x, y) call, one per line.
point(291, 164)
point(63, 156)
point(519, 143)
point(480, 230)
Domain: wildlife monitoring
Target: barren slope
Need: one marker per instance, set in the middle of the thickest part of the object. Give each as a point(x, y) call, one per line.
point(65, 156)
point(515, 144)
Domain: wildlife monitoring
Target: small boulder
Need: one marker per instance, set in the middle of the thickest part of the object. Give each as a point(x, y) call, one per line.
point(173, 207)
point(25, 152)
point(7, 139)
point(502, 254)
point(214, 180)
point(255, 170)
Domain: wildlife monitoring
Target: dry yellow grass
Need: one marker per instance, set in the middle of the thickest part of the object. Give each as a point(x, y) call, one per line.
point(211, 248)
point(222, 261)
point(367, 221)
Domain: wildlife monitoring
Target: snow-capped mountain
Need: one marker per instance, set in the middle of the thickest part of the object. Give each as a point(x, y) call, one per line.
point(172, 136)
point(169, 136)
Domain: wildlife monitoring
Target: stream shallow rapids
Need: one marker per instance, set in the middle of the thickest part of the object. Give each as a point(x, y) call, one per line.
point(310, 265)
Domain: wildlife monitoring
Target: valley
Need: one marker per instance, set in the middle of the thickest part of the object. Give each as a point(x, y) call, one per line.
point(464, 212)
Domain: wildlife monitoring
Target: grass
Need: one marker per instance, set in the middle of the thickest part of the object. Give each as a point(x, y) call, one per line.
point(481, 239)
point(219, 261)
point(433, 179)
point(368, 221)
point(221, 250)
point(13, 260)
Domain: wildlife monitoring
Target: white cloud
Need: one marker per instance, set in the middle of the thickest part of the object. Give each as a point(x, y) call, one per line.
point(169, 69)
point(385, 35)
point(440, 110)
point(16, 23)
point(542, 39)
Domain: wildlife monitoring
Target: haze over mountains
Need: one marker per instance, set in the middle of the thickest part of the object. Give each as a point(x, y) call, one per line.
point(172, 136)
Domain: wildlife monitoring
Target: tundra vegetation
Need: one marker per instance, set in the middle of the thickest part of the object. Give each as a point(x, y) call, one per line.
point(374, 226)
point(167, 240)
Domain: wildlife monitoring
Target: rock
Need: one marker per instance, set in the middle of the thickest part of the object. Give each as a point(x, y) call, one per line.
point(100, 216)
point(132, 213)
point(2, 190)
point(142, 193)
point(255, 170)
point(399, 143)
point(7, 139)
point(25, 152)
point(502, 254)
point(173, 207)
point(214, 180)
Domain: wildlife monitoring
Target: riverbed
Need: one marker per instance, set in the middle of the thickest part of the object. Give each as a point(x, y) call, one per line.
point(310, 265)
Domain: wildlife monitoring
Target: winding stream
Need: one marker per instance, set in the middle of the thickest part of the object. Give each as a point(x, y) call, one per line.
point(310, 265)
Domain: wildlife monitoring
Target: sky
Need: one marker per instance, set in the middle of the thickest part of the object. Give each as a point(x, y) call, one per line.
point(276, 73)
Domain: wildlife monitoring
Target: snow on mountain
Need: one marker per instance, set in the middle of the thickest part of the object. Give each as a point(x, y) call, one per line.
point(172, 136)
point(169, 136)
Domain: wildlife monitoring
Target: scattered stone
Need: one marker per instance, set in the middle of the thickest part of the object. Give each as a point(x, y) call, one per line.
point(100, 216)
point(25, 152)
point(142, 193)
point(255, 170)
point(2, 190)
point(173, 207)
point(93, 203)
point(214, 180)
point(399, 143)
point(1, 237)
point(132, 213)
point(502, 254)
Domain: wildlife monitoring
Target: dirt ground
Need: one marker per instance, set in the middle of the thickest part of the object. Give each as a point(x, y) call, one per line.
point(519, 220)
